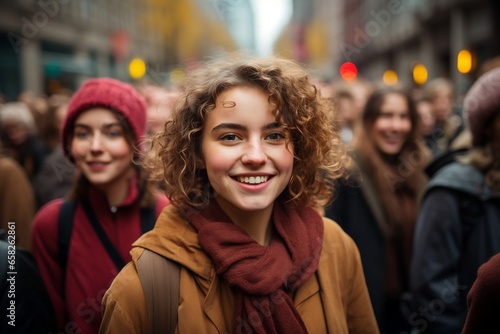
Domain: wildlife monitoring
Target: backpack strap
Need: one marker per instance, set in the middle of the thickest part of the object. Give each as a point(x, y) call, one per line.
point(99, 231)
point(160, 280)
point(65, 227)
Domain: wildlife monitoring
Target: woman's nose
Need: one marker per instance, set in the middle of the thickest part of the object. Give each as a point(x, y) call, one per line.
point(254, 155)
point(96, 142)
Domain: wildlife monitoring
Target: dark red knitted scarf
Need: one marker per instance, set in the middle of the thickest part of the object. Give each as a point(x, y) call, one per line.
point(261, 275)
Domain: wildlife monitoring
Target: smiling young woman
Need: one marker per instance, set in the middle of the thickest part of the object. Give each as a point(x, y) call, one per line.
point(248, 156)
point(378, 206)
point(101, 135)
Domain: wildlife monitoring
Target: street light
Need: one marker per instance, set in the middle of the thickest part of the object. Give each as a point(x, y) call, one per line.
point(420, 74)
point(137, 68)
point(464, 61)
point(390, 78)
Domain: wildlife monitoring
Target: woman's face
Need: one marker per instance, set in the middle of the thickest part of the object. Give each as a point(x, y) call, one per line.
point(17, 133)
point(248, 159)
point(391, 129)
point(100, 148)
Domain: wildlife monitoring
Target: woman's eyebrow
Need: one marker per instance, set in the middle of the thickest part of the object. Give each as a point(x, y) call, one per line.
point(274, 125)
point(105, 125)
point(232, 126)
point(236, 126)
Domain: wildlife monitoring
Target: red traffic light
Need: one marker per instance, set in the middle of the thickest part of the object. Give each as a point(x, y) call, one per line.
point(348, 71)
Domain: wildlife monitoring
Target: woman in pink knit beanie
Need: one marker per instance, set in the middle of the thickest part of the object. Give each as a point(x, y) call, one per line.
point(81, 242)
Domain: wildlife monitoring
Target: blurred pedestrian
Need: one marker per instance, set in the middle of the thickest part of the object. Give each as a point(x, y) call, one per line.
point(448, 121)
point(17, 201)
point(160, 102)
point(378, 204)
point(50, 130)
point(457, 228)
point(20, 138)
point(251, 161)
point(81, 243)
point(347, 112)
point(23, 298)
point(426, 117)
point(57, 173)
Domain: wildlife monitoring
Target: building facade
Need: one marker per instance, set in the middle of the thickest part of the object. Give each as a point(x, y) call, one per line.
point(393, 35)
point(381, 35)
point(47, 45)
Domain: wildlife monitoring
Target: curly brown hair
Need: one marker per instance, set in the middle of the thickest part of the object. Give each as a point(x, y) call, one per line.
point(319, 154)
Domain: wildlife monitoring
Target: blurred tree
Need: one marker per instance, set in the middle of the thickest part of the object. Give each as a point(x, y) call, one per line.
point(189, 32)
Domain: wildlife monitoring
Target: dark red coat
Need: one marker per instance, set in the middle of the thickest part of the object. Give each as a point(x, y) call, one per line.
point(90, 270)
point(484, 299)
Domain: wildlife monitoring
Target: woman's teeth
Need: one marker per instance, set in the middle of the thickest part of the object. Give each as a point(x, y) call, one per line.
point(252, 179)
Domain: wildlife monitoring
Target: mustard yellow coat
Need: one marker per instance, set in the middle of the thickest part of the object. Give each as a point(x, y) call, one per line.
point(334, 300)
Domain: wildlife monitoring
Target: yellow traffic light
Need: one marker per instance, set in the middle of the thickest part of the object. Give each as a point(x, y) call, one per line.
point(137, 68)
point(464, 61)
point(420, 74)
point(390, 78)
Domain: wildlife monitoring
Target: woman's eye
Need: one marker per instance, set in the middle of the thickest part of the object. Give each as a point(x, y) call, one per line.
point(229, 137)
point(82, 134)
point(276, 136)
point(113, 133)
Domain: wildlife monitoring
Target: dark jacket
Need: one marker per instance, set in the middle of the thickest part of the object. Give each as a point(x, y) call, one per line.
point(24, 299)
point(457, 230)
point(358, 210)
point(364, 222)
point(55, 178)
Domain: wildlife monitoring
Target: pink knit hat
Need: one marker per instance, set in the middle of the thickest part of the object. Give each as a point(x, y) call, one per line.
point(481, 102)
point(107, 93)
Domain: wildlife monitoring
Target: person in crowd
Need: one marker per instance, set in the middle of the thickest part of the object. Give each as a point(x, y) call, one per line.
point(349, 99)
point(483, 299)
point(50, 130)
point(346, 109)
point(377, 204)
point(252, 160)
point(426, 117)
point(361, 90)
point(20, 139)
point(57, 173)
point(24, 300)
point(160, 104)
point(17, 200)
point(448, 121)
point(457, 228)
point(38, 105)
point(80, 243)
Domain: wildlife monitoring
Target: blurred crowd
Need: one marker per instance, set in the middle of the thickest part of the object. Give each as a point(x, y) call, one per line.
point(423, 161)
